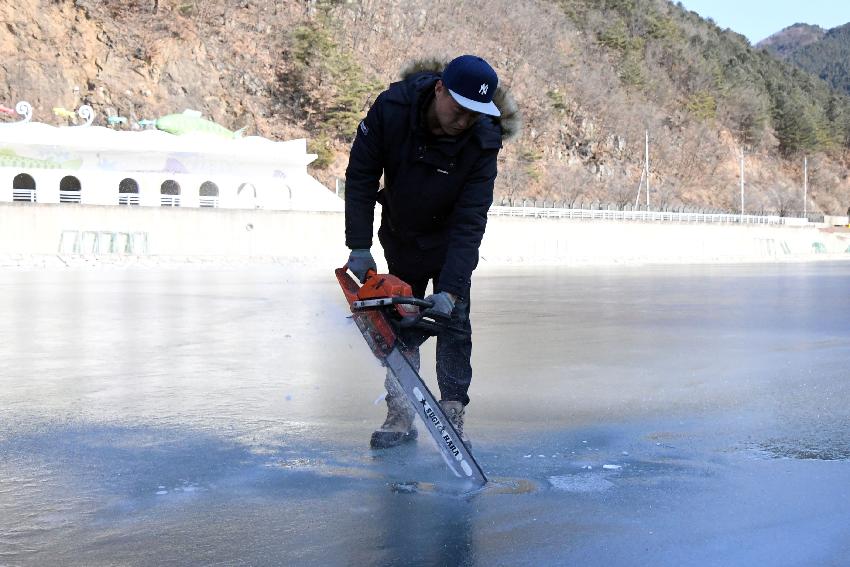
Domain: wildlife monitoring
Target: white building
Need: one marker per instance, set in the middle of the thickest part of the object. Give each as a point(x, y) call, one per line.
point(94, 165)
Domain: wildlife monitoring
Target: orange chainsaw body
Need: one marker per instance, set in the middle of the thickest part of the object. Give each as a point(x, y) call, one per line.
point(374, 324)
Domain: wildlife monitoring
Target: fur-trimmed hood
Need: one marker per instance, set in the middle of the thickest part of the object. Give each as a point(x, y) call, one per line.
point(510, 120)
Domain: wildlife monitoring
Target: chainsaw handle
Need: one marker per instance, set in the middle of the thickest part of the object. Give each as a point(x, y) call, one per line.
point(423, 321)
point(397, 300)
point(430, 325)
point(413, 301)
point(369, 273)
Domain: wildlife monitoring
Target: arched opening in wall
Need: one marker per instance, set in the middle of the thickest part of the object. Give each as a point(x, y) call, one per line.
point(23, 188)
point(128, 192)
point(208, 194)
point(169, 193)
point(246, 196)
point(69, 189)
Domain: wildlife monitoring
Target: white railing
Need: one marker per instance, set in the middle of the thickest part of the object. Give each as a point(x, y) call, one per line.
point(26, 195)
point(211, 202)
point(69, 197)
point(645, 216)
point(128, 199)
point(169, 200)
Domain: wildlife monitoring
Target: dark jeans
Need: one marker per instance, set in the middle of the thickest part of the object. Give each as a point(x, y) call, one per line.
point(454, 350)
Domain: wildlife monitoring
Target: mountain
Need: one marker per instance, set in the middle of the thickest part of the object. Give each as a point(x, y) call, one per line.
point(786, 42)
point(591, 77)
point(828, 57)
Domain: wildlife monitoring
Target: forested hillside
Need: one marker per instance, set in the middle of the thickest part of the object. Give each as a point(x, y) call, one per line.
point(591, 77)
point(828, 57)
point(786, 41)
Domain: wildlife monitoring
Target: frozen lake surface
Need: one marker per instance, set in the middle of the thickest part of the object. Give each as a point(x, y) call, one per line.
point(653, 415)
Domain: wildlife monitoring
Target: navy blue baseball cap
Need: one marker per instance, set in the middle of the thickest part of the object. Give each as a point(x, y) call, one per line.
point(471, 82)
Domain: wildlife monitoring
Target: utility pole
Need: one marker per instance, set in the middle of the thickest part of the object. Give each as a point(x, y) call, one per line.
point(640, 184)
point(646, 168)
point(742, 185)
point(805, 184)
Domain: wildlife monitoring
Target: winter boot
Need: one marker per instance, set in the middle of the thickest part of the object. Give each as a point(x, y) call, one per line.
point(398, 428)
point(454, 411)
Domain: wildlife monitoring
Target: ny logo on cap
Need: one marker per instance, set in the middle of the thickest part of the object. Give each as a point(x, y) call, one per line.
point(483, 89)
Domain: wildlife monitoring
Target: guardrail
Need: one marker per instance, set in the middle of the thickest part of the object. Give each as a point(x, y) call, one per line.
point(645, 216)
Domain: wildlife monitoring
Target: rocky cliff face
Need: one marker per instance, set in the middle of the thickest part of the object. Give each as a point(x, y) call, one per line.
point(142, 59)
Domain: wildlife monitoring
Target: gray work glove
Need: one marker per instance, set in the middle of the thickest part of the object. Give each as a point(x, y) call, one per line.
point(360, 261)
point(444, 304)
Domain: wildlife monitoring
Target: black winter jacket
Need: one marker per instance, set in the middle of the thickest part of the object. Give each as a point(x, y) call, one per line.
point(436, 190)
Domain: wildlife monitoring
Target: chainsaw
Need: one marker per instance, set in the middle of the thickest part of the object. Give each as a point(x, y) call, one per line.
point(394, 322)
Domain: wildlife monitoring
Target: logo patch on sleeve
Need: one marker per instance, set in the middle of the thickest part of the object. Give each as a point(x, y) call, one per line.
point(364, 128)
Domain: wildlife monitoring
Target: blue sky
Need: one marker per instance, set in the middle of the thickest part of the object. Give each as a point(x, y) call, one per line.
point(757, 19)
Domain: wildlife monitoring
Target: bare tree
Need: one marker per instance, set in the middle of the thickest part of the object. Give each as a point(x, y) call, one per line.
point(563, 183)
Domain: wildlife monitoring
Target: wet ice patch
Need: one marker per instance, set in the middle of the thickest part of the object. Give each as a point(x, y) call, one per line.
point(821, 450)
point(293, 463)
point(185, 486)
point(188, 487)
point(584, 482)
point(405, 487)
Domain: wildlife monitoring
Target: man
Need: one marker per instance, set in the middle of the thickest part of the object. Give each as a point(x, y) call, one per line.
point(435, 137)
